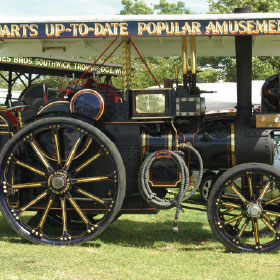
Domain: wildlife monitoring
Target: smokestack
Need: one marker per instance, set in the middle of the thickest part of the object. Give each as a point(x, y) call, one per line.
point(243, 48)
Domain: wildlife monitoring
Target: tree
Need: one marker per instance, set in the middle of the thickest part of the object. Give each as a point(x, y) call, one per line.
point(228, 6)
point(138, 7)
point(263, 67)
point(160, 67)
point(171, 8)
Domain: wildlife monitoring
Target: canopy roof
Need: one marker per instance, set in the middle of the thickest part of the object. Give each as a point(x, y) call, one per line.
point(154, 35)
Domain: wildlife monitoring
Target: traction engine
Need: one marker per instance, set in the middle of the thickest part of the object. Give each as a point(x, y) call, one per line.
point(93, 154)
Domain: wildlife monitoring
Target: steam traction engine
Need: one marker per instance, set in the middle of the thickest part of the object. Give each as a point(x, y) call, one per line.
point(87, 159)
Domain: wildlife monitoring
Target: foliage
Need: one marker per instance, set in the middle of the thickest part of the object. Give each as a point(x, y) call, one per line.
point(226, 68)
point(138, 7)
point(161, 67)
point(263, 67)
point(171, 8)
point(53, 81)
point(228, 6)
point(135, 8)
point(209, 75)
point(17, 85)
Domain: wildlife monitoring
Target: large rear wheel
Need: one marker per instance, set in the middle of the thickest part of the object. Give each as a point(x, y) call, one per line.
point(62, 168)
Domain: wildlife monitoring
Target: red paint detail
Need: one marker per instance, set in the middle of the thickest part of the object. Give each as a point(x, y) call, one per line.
point(142, 58)
point(163, 154)
point(11, 117)
point(75, 83)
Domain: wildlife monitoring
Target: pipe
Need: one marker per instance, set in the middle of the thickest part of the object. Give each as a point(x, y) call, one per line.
point(193, 62)
point(184, 56)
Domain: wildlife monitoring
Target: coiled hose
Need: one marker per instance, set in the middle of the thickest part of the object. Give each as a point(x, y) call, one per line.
point(182, 196)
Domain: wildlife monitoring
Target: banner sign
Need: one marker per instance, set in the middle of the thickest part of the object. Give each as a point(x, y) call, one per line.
point(61, 65)
point(140, 29)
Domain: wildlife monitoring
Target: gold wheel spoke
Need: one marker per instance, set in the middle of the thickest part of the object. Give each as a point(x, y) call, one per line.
point(45, 214)
point(90, 179)
point(72, 153)
point(34, 201)
point(228, 211)
point(64, 216)
point(89, 195)
point(236, 190)
point(78, 209)
point(13, 175)
point(270, 213)
point(267, 186)
point(28, 185)
point(42, 157)
point(239, 220)
point(272, 200)
point(57, 147)
point(250, 187)
point(246, 223)
point(256, 231)
point(29, 167)
point(89, 161)
point(230, 205)
point(266, 220)
point(229, 197)
point(233, 219)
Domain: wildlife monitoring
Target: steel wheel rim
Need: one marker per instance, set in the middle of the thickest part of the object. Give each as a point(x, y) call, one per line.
point(60, 184)
point(249, 210)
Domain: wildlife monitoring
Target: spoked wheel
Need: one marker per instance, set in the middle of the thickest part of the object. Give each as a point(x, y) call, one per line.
point(206, 185)
point(61, 169)
point(244, 209)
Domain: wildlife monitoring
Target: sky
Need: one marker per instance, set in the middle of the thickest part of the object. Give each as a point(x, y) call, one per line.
point(26, 8)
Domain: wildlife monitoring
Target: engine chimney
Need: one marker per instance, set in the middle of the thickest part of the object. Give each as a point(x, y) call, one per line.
point(243, 47)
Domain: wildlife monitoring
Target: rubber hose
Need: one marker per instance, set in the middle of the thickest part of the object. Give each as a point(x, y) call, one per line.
point(144, 186)
point(200, 172)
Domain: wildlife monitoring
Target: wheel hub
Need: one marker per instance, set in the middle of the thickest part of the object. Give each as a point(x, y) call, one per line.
point(254, 210)
point(59, 182)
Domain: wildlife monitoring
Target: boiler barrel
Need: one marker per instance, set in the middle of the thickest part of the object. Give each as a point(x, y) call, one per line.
point(216, 146)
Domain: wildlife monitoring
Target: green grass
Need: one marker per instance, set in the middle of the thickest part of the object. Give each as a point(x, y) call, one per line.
point(136, 247)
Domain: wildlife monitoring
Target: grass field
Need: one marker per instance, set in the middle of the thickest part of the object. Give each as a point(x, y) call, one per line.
point(136, 247)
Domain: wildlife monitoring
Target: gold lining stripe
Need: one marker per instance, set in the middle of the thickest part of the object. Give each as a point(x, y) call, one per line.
point(50, 104)
point(150, 89)
point(171, 185)
point(143, 148)
point(147, 117)
point(170, 140)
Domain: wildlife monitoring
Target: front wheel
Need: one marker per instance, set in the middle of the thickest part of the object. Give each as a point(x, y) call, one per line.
point(62, 168)
point(244, 209)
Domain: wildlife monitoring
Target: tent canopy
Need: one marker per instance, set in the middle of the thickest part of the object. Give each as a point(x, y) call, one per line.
point(154, 35)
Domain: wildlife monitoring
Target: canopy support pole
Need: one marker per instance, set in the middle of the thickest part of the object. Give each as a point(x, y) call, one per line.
point(126, 61)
